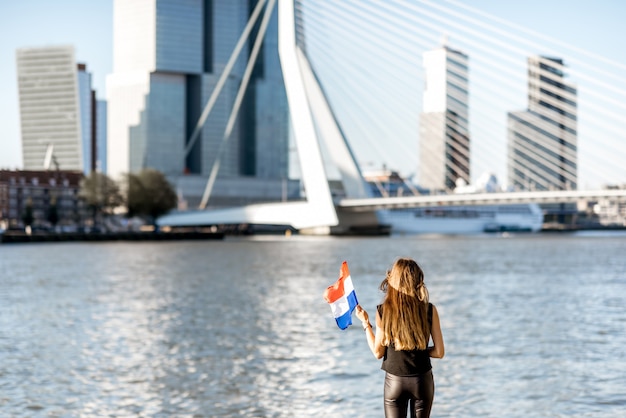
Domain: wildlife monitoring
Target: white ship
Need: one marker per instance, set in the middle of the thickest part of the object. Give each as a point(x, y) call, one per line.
point(453, 219)
point(463, 219)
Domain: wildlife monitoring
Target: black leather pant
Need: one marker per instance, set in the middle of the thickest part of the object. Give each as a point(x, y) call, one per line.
point(412, 392)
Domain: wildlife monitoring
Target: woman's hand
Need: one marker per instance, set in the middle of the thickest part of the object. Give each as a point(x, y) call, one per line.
point(362, 315)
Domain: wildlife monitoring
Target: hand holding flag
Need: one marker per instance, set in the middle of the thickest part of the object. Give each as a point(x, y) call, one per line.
point(342, 298)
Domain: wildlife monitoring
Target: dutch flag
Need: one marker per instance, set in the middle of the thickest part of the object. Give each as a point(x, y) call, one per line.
point(342, 298)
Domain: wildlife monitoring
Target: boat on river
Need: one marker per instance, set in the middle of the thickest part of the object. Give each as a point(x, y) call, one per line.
point(464, 219)
point(469, 219)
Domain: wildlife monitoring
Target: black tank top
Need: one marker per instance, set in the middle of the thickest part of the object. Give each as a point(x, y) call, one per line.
point(406, 362)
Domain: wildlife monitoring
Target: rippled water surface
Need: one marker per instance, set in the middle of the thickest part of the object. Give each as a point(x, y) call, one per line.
point(535, 325)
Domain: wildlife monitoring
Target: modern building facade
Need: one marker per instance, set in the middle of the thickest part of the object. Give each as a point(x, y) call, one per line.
point(101, 136)
point(57, 109)
point(542, 140)
point(444, 134)
point(167, 58)
point(87, 118)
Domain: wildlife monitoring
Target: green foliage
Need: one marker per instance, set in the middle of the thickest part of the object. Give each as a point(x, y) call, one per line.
point(100, 193)
point(150, 194)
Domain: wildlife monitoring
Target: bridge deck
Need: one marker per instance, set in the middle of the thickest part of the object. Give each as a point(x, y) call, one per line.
point(565, 196)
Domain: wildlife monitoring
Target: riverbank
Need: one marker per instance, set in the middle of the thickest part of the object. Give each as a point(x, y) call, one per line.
point(13, 237)
point(556, 227)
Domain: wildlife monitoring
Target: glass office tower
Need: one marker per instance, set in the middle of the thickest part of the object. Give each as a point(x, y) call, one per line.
point(101, 136)
point(86, 99)
point(542, 144)
point(444, 135)
point(168, 56)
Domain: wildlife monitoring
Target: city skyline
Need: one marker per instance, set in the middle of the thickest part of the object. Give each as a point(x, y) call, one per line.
point(91, 32)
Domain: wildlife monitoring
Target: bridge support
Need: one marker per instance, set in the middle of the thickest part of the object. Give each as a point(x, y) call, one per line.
point(313, 121)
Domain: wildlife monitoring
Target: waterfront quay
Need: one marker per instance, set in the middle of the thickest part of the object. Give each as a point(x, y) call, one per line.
point(12, 237)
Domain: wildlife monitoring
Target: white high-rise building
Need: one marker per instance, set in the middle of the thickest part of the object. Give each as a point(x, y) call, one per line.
point(542, 144)
point(444, 136)
point(167, 58)
point(57, 109)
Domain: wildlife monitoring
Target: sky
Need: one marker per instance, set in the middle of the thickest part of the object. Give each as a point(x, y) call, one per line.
point(88, 25)
point(593, 26)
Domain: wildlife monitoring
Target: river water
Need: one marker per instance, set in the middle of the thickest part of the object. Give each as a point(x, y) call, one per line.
point(534, 325)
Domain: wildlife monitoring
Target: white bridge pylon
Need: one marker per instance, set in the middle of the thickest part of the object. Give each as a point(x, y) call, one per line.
point(309, 110)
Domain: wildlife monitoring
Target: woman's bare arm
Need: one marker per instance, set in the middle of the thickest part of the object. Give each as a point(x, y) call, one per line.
point(437, 350)
point(374, 340)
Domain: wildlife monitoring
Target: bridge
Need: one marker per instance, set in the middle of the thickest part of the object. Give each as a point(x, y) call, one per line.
point(503, 198)
point(324, 119)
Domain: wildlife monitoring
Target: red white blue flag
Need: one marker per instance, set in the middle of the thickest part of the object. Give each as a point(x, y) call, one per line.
point(342, 298)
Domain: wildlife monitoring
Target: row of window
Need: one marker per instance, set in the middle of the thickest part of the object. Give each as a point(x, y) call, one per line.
point(558, 97)
point(41, 192)
point(548, 154)
point(544, 133)
point(67, 203)
point(527, 168)
point(34, 181)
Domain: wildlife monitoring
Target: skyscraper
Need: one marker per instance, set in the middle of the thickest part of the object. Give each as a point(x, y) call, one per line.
point(167, 58)
point(444, 136)
point(56, 109)
point(542, 150)
point(101, 136)
point(86, 100)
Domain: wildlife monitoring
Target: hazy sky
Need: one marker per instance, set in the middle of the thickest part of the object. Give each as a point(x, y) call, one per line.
point(596, 26)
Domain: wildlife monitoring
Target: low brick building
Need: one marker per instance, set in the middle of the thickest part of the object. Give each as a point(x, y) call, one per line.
point(41, 190)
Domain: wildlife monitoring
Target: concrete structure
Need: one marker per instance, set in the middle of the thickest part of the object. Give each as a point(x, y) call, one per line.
point(57, 109)
point(443, 132)
point(542, 141)
point(167, 58)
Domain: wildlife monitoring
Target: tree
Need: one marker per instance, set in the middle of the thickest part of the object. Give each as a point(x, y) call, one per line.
point(150, 194)
point(100, 194)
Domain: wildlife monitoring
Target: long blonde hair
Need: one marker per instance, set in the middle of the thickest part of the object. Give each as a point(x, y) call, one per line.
point(405, 307)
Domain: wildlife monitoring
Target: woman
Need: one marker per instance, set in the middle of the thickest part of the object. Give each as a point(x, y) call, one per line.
point(405, 321)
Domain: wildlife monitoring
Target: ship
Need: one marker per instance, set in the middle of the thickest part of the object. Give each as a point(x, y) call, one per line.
point(464, 219)
point(468, 219)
